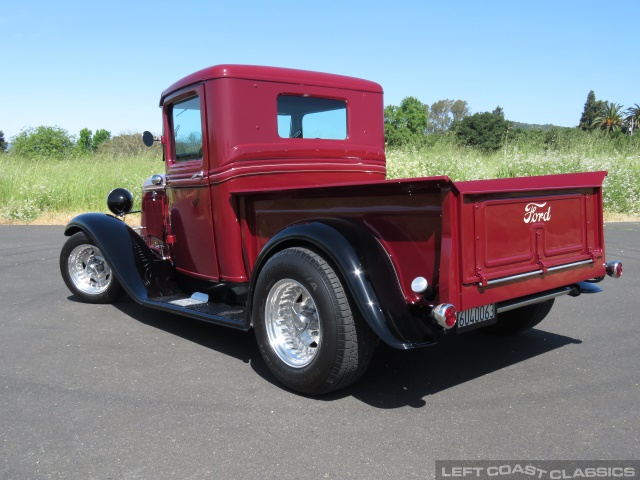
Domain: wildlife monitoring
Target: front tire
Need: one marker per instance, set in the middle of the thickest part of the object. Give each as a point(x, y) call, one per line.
point(520, 319)
point(309, 336)
point(86, 272)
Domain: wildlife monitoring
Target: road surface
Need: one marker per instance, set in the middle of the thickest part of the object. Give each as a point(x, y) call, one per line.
point(122, 392)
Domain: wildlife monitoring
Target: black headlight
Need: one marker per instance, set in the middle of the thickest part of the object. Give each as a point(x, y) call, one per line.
point(120, 201)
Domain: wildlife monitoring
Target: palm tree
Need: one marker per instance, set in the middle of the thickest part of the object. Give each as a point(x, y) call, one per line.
point(611, 118)
point(632, 120)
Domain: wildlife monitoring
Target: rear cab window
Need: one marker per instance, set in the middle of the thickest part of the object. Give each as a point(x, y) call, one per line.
point(312, 117)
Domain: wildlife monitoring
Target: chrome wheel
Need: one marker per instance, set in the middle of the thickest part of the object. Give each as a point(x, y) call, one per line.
point(307, 333)
point(88, 270)
point(292, 324)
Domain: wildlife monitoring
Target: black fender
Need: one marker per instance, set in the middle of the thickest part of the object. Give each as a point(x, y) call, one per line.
point(369, 275)
point(140, 272)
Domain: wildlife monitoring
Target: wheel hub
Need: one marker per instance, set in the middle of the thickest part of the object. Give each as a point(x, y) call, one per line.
point(88, 269)
point(292, 323)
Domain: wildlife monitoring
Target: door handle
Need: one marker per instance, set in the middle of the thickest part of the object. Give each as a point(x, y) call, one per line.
point(199, 175)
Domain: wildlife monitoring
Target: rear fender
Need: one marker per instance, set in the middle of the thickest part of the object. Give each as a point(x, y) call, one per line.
point(140, 272)
point(365, 267)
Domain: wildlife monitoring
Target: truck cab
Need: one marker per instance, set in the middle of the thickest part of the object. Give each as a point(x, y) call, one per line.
point(232, 128)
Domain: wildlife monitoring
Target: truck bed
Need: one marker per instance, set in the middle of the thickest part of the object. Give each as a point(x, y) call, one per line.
point(476, 242)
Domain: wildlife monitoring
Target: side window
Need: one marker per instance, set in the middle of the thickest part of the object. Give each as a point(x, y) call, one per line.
point(311, 117)
point(187, 129)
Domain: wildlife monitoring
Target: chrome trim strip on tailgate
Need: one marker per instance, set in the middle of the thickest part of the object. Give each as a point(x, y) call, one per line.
point(536, 272)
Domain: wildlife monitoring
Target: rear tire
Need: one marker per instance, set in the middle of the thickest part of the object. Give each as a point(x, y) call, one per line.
point(86, 272)
point(520, 319)
point(309, 335)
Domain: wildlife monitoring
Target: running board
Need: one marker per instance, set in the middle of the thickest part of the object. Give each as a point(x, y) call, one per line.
point(195, 307)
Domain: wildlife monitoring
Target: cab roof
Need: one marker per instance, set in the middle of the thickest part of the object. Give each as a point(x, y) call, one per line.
point(273, 74)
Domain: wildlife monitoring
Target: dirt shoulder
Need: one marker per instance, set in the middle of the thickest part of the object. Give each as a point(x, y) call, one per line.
point(63, 218)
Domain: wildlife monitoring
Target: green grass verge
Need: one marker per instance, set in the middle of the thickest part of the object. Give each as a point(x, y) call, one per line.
point(30, 188)
point(621, 192)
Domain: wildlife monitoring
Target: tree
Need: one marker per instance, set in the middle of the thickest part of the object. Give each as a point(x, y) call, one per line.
point(444, 112)
point(101, 136)
point(90, 143)
point(484, 131)
point(610, 120)
point(439, 116)
point(592, 109)
point(459, 110)
point(395, 132)
point(406, 123)
point(42, 142)
point(3, 143)
point(631, 121)
point(85, 140)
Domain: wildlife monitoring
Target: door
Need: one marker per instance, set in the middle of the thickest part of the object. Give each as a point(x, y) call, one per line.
point(189, 205)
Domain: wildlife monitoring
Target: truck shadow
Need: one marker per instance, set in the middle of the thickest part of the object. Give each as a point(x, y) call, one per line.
point(395, 378)
point(230, 342)
point(403, 378)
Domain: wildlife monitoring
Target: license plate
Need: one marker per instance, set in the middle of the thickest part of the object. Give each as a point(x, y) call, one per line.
point(476, 317)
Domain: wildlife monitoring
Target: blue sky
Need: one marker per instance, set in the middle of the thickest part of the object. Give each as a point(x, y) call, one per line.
point(104, 64)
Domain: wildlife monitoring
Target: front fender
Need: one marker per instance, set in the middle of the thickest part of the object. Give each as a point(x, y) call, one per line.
point(136, 267)
point(365, 267)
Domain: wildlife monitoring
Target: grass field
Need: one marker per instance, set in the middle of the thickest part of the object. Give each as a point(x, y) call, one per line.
point(621, 192)
point(53, 190)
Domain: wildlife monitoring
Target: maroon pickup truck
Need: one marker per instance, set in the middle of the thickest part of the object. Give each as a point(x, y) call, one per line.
point(274, 214)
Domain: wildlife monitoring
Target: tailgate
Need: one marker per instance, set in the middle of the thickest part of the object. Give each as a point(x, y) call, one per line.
point(526, 235)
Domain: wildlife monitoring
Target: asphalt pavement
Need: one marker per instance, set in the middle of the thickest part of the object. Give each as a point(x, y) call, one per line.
point(123, 392)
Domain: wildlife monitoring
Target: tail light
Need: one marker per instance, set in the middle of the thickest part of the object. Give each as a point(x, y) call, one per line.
point(614, 268)
point(445, 315)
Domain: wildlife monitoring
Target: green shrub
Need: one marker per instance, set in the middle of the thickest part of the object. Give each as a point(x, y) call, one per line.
point(129, 145)
point(484, 131)
point(42, 142)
